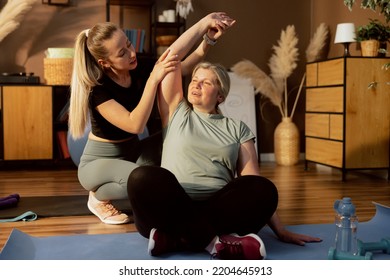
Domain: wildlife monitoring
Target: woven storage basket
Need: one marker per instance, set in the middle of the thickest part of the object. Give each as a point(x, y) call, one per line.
point(57, 71)
point(286, 142)
point(370, 48)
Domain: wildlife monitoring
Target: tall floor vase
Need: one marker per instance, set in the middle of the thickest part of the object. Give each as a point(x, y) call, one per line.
point(286, 143)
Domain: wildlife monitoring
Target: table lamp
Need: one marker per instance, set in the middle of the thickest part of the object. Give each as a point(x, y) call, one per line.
point(345, 34)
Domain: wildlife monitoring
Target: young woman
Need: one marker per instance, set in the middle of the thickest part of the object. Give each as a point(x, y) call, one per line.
point(208, 194)
point(106, 91)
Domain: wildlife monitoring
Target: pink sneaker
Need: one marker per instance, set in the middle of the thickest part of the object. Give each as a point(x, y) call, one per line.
point(235, 247)
point(105, 211)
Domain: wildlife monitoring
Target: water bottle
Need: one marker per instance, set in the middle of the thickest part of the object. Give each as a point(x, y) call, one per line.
point(346, 226)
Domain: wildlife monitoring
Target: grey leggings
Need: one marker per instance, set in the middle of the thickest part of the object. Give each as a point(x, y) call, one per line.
point(105, 167)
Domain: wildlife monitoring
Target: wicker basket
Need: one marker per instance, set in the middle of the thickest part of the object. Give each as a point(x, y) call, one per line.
point(286, 143)
point(370, 48)
point(57, 71)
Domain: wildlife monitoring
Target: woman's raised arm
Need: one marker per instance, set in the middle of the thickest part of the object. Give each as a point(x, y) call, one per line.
point(171, 89)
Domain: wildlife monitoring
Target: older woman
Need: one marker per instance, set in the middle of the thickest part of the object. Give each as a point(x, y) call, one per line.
point(208, 193)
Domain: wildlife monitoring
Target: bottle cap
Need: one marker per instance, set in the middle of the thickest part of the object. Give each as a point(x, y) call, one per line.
point(344, 207)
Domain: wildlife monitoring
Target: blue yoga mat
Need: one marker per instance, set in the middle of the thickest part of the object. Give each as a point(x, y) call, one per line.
point(132, 246)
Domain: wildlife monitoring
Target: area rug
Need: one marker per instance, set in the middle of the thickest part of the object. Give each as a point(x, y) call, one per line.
point(132, 246)
point(56, 206)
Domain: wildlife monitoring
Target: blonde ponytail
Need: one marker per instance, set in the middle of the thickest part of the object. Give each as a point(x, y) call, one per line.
point(89, 47)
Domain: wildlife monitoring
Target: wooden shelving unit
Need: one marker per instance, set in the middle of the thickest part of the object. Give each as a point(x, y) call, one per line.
point(155, 28)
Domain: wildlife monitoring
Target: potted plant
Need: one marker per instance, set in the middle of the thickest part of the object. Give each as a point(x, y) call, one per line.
point(382, 6)
point(373, 38)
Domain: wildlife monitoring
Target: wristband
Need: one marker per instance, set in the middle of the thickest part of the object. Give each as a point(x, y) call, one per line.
point(208, 40)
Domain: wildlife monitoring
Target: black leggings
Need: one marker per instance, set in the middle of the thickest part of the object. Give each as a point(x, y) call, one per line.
point(243, 206)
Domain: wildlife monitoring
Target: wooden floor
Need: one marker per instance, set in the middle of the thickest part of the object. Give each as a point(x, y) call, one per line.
point(305, 197)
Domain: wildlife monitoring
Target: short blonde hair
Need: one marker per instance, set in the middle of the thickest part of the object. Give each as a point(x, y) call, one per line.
point(223, 78)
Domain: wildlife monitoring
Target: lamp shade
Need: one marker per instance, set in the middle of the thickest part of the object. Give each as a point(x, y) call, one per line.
point(345, 33)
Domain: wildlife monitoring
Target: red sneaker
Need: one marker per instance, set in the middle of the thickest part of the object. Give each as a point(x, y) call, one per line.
point(235, 247)
point(161, 243)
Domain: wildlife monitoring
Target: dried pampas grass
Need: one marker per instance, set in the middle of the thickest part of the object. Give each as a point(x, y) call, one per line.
point(282, 64)
point(11, 14)
point(317, 42)
point(262, 83)
point(284, 60)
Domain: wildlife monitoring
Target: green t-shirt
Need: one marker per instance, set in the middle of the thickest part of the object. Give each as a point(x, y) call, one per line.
point(201, 149)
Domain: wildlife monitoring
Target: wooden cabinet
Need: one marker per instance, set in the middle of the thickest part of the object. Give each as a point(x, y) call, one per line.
point(33, 122)
point(27, 122)
point(347, 115)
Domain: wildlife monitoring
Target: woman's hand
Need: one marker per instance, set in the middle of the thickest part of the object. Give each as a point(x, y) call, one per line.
point(296, 238)
point(288, 236)
point(219, 23)
point(165, 64)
